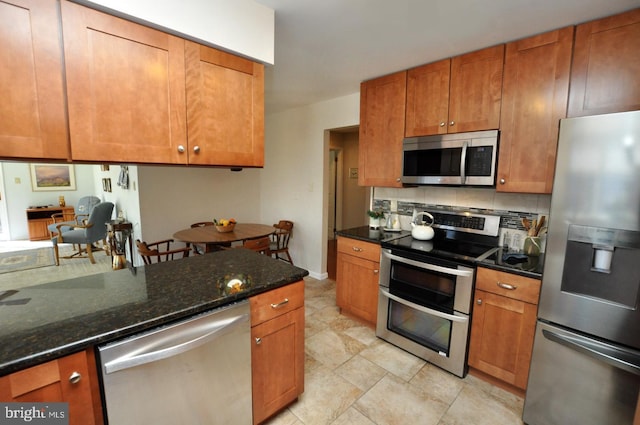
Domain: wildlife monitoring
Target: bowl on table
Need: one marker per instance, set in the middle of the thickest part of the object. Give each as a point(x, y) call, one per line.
point(225, 229)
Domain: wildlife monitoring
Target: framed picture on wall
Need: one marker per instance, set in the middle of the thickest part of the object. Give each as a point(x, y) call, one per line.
point(52, 177)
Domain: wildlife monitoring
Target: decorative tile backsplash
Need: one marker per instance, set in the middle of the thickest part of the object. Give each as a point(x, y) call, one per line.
point(510, 221)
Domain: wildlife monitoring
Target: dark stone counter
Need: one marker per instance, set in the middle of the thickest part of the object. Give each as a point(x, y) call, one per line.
point(44, 322)
point(364, 233)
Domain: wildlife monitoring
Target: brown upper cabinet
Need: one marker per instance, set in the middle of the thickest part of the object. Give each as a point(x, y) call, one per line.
point(606, 66)
point(32, 112)
point(133, 94)
point(125, 89)
point(225, 108)
point(534, 99)
point(455, 95)
point(382, 106)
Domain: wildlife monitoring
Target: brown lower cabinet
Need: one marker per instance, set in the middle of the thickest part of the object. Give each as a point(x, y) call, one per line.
point(503, 325)
point(72, 379)
point(357, 275)
point(277, 349)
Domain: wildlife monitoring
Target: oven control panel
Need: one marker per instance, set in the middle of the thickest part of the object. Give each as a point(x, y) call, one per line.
point(484, 224)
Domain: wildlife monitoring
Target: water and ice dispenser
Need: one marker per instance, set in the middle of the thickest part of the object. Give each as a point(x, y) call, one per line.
point(603, 263)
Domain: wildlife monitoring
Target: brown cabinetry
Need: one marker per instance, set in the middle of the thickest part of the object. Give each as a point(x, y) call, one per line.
point(277, 350)
point(606, 65)
point(382, 106)
point(455, 95)
point(357, 278)
point(534, 99)
point(125, 88)
point(33, 123)
point(72, 379)
point(225, 108)
point(136, 94)
point(503, 325)
point(39, 218)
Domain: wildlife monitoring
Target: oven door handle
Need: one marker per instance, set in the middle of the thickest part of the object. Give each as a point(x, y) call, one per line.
point(427, 266)
point(423, 309)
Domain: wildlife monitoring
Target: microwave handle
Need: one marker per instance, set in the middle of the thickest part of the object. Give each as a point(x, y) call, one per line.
point(463, 162)
point(426, 310)
point(427, 266)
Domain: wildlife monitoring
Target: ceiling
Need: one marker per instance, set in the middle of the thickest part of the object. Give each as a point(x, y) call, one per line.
point(325, 48)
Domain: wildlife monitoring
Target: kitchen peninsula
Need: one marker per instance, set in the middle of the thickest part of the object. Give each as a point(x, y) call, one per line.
point(55, 320)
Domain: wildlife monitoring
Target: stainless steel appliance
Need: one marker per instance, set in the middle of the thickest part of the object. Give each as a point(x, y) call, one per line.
point(451, 159)
point(585, 366)
point(194, 372)
point(426, 287)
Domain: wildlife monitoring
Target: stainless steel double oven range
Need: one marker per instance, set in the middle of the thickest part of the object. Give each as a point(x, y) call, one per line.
point(426, 287)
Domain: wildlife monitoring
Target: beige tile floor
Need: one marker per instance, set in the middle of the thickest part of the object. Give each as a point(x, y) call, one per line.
point(353, 378)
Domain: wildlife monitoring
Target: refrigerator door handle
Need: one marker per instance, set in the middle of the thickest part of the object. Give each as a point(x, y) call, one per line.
point(614, 356)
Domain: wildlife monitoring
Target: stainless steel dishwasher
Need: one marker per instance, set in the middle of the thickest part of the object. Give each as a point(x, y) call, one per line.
point(197, 371)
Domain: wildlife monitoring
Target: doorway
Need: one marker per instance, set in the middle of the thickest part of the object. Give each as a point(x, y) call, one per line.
point(347, 201)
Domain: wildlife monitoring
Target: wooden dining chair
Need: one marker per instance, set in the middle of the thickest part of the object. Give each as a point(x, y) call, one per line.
point(150, 252)
point(200, 249)
point(280, 240)
point(260, 245)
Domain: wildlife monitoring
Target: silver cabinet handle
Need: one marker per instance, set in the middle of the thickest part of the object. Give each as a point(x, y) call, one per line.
point(356, 249)
point(181, 148)
point(507, 286)
point(452, 123)
point(376, 271)
point(479, 302)
point(75, 377)
point(442, 124)
point(502, 181)
point(258, 341)
point(196, 149)
point(280, 304)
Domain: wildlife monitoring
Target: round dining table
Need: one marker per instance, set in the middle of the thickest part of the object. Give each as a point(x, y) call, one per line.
point(213, 240)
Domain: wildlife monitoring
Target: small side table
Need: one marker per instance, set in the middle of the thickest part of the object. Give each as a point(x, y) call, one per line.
point(119, 236)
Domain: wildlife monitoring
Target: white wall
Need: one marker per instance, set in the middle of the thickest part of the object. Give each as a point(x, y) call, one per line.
point(240, 26)
point(19, 195)
point(171, 198)
point(295, 178)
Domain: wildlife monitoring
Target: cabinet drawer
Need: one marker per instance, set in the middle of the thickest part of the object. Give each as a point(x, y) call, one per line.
point(523, 288)
point(360, 249)
point(276, 302)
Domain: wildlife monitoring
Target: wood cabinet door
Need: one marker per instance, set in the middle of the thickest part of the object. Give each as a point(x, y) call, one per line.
point(502, 331)
point(32, 112)
point(357, 287)
point(125, 89)
point(476, 90)
point(225, 108)
point(51, 382)
point(382, 111)
point(277, 363)
point(428, 99)
point(534, 99)
point(606, 66)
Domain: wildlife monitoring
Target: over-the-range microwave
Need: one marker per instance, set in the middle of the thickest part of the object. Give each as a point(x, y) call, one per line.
point(451, 159)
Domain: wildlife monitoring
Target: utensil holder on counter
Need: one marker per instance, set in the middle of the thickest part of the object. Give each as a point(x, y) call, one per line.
point(532, 246)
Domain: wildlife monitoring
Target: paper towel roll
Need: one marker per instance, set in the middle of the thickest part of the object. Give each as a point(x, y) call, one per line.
point(602, 259)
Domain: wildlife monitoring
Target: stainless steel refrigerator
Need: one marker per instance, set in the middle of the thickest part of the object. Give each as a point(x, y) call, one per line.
point(585, 366)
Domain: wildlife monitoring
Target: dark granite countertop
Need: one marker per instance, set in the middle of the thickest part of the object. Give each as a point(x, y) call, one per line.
point(364, 233)
point(60, 318)
point(530, 267)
